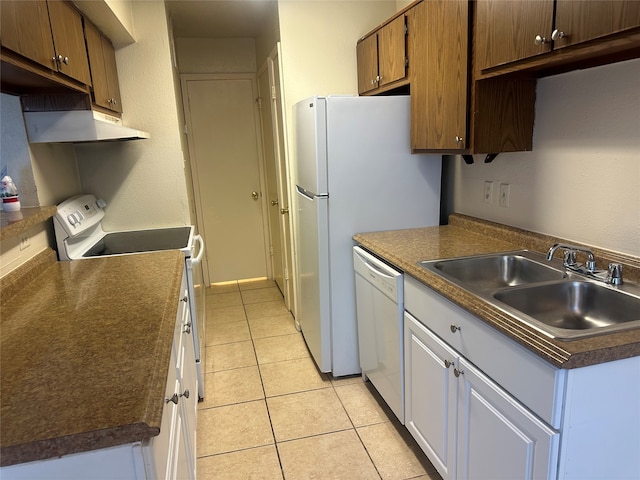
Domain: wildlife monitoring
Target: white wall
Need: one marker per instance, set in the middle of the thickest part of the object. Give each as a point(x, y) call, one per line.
point(146, 173)
point(582, 179)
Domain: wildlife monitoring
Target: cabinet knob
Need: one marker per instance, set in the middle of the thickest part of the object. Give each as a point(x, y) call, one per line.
point(457, 372)
point(454, 328)
point(373, 82)
point(540, 40)
point(65, 60)
point(284, 211)
point(556, 34)
point(187, 328)
point(447, 364)
point(174, 399)
point(184, 299)
point(185, 394)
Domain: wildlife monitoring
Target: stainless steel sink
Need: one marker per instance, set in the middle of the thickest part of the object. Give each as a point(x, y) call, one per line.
point(574, 308)
point(543, 294)
point(496, 270)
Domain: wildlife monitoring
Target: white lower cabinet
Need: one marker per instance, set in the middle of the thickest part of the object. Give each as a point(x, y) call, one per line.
point(467, 425)
point(482, 406)
point(171, 455)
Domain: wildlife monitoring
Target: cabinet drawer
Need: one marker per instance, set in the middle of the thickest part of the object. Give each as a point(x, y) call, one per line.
point(534, 382)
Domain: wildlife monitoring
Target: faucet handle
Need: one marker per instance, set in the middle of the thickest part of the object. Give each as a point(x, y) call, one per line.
point(614, 274)
point(569, 257)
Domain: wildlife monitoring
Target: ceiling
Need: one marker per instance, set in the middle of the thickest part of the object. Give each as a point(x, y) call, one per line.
point(222, 18)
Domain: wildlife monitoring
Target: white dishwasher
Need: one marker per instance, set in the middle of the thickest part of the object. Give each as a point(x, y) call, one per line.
point(380, 305)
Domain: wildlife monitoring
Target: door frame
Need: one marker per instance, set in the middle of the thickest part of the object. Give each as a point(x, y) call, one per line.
point(199, 208)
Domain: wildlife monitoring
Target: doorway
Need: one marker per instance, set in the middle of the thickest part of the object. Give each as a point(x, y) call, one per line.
point(225, 146)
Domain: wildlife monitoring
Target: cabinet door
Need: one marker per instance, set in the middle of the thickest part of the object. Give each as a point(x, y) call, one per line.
point(430, 395)
point(26, 30)
point(97, 65)
point(438, 38)
point(111, 71)
point(391, 51)
point(367, 57)
point(68, 40)
point(506, 30)
point(582, 21)
point(104, 74)
point(497, 436)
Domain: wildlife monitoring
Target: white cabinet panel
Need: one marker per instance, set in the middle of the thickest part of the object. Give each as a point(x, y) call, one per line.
point(497, 436)
point(431, 392)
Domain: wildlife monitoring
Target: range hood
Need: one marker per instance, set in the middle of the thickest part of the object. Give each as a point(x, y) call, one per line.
point(77, 126)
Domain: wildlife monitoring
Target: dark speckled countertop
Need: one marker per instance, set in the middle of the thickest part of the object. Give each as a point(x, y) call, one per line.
point(85, 350)
point(470, 236)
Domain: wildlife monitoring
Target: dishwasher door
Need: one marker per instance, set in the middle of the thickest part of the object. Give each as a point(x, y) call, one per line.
point(380, 305)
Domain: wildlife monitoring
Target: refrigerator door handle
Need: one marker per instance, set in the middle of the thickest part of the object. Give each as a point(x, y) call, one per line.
point(309, 195)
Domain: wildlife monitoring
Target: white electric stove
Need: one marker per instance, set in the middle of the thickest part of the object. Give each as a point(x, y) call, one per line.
point(79, 236)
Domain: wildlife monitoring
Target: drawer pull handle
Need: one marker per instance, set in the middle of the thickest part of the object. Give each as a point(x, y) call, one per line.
point(454, 328)
point(457, 372)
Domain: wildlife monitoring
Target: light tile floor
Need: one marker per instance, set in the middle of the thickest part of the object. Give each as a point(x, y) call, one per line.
point(268, 413)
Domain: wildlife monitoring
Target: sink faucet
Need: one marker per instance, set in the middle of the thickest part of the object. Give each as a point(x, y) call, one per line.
point(613, 275)
point(569, 259)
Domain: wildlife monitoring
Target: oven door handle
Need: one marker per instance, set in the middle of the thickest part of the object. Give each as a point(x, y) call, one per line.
point(200, 241)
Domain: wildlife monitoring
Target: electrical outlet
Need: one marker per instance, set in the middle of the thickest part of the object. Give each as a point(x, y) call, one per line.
point(25, 242)
point(505, 190)
point(488, 192)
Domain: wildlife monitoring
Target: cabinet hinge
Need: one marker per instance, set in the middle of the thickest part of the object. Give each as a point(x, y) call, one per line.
point(406, 29)
point(259, 102)
point(274, 95)
point(406, 62)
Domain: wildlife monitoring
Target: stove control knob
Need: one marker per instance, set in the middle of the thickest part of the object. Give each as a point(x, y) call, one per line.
point(73, 219)
point(79, 215)
point(101, 203)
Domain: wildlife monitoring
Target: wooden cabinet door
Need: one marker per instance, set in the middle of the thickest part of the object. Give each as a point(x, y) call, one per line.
point(430, 395)
point(104, 74)
point(68, 40)
point(367, 58)
point(391, 51)
point(438, 51)
point(112, 75)
point(506, 30)
point(497, 436)
point(97, 66)
point(582, 21)
point(26, 30)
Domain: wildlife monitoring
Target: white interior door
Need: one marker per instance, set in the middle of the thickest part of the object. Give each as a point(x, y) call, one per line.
point(225, 146)
point(284, 194)
point(269, 152)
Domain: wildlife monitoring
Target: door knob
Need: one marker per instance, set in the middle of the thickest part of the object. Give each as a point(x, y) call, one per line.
point(284, 210)
point(255, 195)
point(274, 202)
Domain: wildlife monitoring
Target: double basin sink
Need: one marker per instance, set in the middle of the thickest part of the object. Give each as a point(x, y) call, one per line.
point(543, 294)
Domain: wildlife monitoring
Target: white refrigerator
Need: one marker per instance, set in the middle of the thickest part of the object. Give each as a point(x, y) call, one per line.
point(354, 173)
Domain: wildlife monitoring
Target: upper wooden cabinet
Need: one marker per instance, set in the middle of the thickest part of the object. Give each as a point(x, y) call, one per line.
point(382, 58)
point(68, 41)
point(26, 30)
point(48, 33)
point(438, 49)
point(578, 22)
point(508, 30)
point(102, 60)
